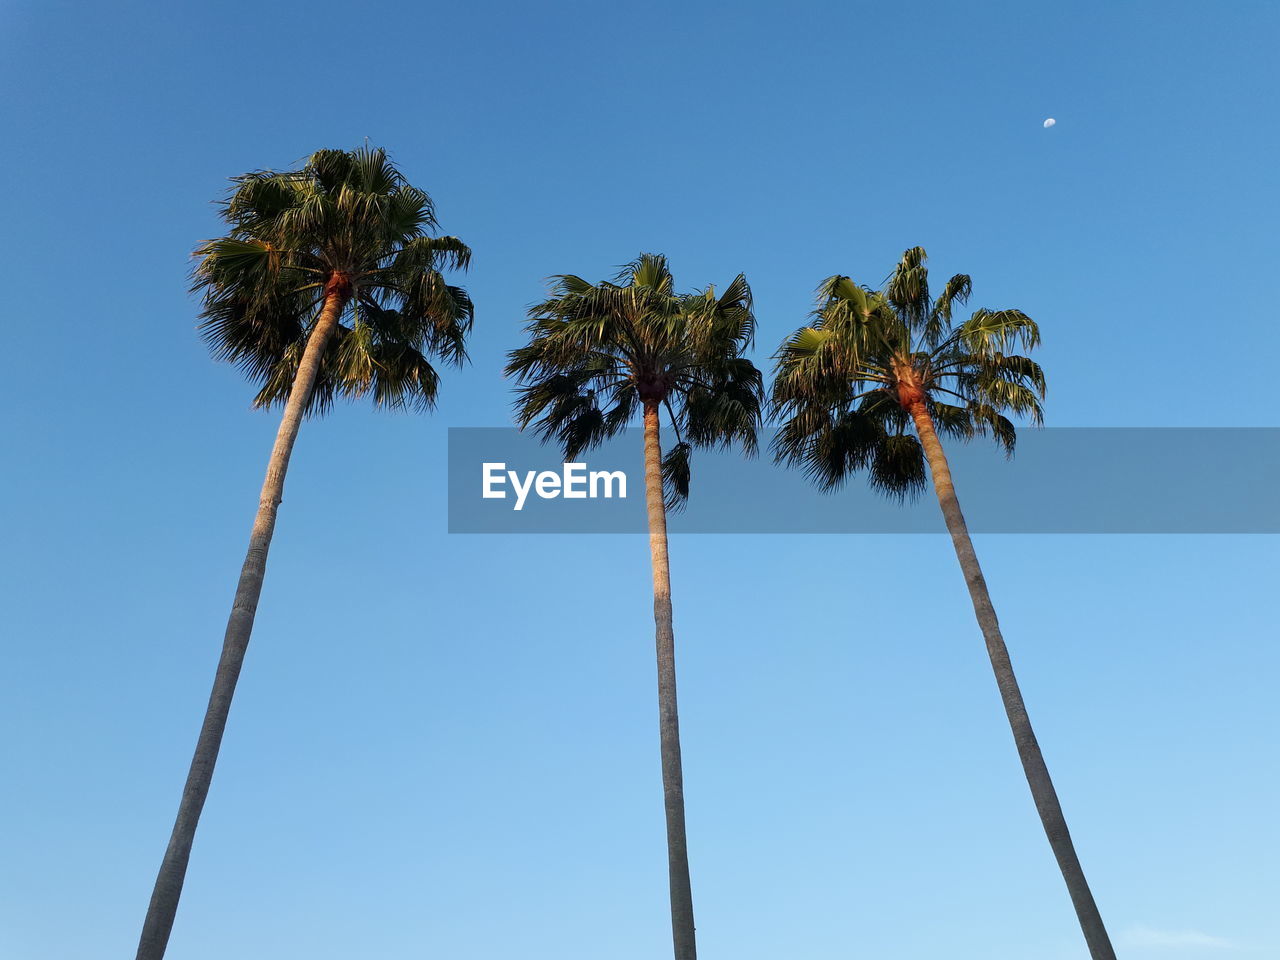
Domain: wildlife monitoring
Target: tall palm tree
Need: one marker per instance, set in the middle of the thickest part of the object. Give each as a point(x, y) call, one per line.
point(596, 353)
point(872, 367)
point(327, 283)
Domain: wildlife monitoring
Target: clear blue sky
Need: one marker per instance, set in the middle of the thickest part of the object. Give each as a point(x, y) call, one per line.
point(446, 746)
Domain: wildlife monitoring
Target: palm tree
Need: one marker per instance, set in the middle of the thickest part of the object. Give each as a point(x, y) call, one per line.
point(596, 352)
point(326, 284)
point(872, 366)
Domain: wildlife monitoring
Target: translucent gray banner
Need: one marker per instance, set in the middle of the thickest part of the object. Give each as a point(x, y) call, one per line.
point(1062, 480)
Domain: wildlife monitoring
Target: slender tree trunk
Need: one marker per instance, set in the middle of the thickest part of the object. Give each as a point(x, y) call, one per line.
point(1046, 798)
point(682, 930)
point(173, 869)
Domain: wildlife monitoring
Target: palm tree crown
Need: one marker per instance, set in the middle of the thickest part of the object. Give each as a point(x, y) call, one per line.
point(346, 226)
point(598, 351)
point(846, 384)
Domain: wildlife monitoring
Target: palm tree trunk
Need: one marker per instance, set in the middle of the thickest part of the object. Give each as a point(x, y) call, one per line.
point(173, 869)
point(1033, 765)
point(682, 930)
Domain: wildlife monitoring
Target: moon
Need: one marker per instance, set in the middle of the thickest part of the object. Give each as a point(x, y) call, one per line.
point(1049, 123)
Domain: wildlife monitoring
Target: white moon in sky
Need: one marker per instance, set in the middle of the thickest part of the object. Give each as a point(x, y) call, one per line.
point(1049, 123)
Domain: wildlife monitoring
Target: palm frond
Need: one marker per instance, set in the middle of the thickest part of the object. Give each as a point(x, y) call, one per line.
point(897, 469)
point(676, 471)
point(995, 331)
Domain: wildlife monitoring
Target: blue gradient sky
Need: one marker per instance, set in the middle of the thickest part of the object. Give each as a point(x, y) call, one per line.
point(446, 746)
